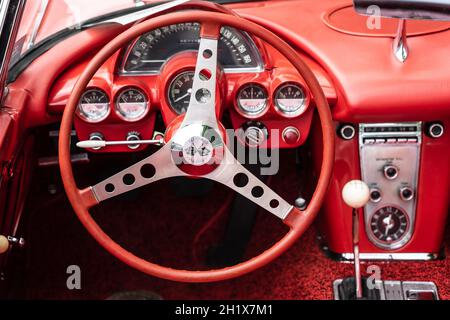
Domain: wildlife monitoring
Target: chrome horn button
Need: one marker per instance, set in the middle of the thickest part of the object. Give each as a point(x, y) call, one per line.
point(197, 149)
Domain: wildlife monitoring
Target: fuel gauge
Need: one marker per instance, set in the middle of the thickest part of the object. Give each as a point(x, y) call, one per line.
point(290, 100)
point(252, 100)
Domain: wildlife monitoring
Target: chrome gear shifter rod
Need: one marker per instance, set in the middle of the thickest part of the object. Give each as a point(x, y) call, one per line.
point(356, 195)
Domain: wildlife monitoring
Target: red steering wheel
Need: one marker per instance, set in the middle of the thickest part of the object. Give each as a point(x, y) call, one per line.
point(200, 127)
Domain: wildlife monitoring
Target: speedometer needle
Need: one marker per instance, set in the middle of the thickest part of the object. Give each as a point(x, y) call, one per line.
point(188, 93)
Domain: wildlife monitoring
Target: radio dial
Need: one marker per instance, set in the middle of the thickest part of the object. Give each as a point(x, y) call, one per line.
point(390, 172)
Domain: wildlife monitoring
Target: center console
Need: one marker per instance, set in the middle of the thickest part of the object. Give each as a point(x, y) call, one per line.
point(406, 167)
point(390, 159)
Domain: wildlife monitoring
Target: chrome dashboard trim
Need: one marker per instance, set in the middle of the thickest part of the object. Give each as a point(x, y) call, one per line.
point(419, 256)
point(37, 23)
point(401, 148)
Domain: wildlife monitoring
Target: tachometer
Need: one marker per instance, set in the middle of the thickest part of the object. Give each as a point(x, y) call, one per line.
point(236, 49)
point(252, 100)
point(179, 92)
point(132, 104)
point(94, 105)
point(290, 100)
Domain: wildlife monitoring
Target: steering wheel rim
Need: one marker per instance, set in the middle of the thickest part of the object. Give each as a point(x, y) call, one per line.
point(298, 221)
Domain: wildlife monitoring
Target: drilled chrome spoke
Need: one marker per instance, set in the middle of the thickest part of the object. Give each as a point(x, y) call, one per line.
point(232, 174)
point(202, 105)
point(153, 168)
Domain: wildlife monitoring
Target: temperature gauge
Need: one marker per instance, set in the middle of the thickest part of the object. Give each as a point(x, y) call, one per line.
point(93, 106)
point(252, 100)
point(132, 104)
point(290, 100)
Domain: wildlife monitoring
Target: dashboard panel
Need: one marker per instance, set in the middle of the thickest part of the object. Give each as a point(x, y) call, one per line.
point(265, 98)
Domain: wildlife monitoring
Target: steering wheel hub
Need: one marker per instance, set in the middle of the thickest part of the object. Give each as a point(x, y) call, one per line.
point(197, 149)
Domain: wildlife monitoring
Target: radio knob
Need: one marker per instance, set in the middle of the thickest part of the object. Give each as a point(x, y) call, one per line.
point(406, 193)
point(133, 136)
point(375, 195)
point(390, 172)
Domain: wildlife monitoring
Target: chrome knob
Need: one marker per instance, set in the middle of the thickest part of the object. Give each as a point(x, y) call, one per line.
point(96, 136)
point(133, 136)
point(375, 195)
point(390, 172)
point(406, 193)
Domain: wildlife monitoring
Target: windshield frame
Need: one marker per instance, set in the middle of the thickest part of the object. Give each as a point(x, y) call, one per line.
point(49, 42)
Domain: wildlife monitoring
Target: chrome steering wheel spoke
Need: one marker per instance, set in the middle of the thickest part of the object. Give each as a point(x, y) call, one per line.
point(234, 175)
point(197, 148)
point(202, 105)
point(156, 167)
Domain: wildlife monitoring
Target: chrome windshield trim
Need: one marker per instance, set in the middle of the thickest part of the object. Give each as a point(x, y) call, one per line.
point(37, 23)
point(136, 16)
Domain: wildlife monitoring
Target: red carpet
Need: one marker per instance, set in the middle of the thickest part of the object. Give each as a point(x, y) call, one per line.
point(160, 226)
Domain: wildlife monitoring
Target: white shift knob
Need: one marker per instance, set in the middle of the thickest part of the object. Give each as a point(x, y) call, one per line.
point(356, 194)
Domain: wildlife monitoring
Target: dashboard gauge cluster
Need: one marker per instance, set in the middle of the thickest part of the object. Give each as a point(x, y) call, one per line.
point(94, 105)
point(252, 100)
point(131, 104)
point(236, 50)
point(289, 100)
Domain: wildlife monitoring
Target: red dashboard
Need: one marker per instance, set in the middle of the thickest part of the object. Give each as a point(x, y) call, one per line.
point(364, 84)
point(275, 74)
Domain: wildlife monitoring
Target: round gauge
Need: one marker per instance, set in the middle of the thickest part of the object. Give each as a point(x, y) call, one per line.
point(252, 100)
point(179, 92)
point(389, 224)
point(93, 105)
point(290, 99)
point(132, 104)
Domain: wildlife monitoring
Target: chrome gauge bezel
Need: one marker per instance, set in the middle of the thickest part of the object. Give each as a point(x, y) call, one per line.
point(84, 116)
point(117, 107)
point(248, 114)
point(291, 114)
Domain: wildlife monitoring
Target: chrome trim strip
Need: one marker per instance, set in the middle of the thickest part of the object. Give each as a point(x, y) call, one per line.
point(136, 16)
point(390, 256)
point(37, 23)
point(14, 8)
point(400, 44)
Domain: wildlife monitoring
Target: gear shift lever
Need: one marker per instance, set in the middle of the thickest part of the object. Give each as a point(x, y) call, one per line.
point(356, 195)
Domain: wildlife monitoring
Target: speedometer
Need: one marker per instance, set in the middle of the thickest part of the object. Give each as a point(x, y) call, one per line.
point(132, 104)
point(236, 50)
point(93, 106)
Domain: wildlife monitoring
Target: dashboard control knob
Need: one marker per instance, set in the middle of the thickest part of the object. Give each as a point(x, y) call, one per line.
point(435, 130)
point(390, 172)
point(254, 133)
point(96, 136)
point(375, 195)
point(133, 136)
point(406, 193)
point(347, 131)
point(291, 135)
point(356, 194)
